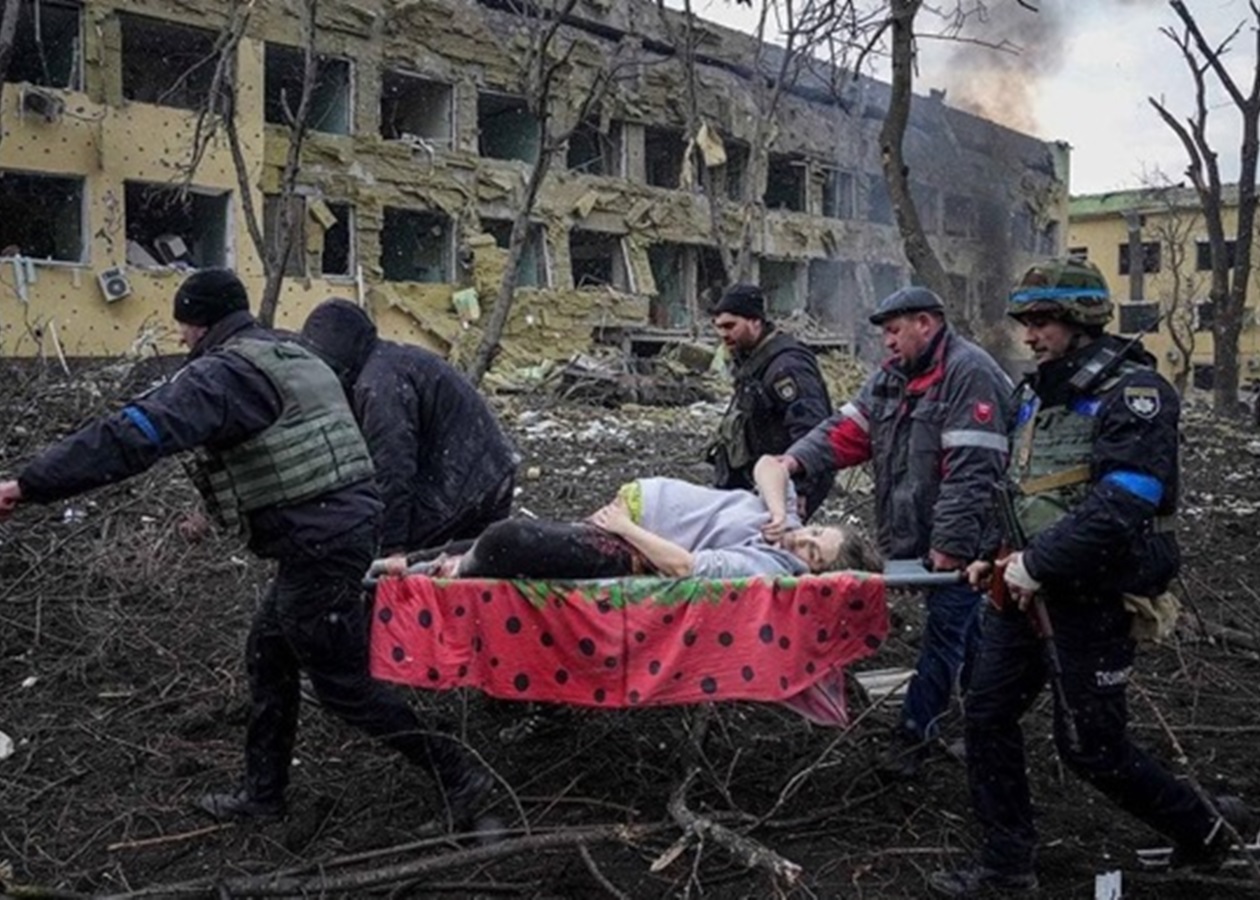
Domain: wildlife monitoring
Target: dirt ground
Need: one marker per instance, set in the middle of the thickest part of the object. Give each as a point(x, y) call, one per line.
point(122, 689)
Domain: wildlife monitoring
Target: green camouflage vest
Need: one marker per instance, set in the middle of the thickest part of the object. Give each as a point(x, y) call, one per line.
point(1052, 452)
point(313, 448)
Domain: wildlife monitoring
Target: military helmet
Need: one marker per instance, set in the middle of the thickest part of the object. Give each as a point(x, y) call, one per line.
point(1069, 289)
point(905, 301)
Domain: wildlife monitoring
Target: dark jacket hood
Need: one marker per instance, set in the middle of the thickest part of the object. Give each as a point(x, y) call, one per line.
point(343, 336)
point(221, 331)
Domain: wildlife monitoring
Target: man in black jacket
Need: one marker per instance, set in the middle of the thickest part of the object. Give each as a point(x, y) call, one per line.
point(779, 396)
point(1095, 473)
point(282, 458)
point(444, 467)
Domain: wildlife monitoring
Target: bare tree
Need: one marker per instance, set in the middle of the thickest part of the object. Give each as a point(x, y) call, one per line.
point(8, 34)
point(550, 96)
point(1229, 286)
point(1175, 225)
point(219, 111)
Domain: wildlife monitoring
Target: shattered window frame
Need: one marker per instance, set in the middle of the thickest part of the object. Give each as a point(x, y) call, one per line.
point(392, 80)
point(786, 194)
point(284, 67)
point(662, 165)
point(200, 208)
point(347, 221)
point(619, 274)
point(776, 288)
point(399, 224)
point(839, 194)
point(879, 206)
point(295, 266)
point(59, 235)
point(30, 45)
point(1152, 257)
point(669, 263)
point(498, 143)
point(610, 149)
point(149, 72)
point(539, 273)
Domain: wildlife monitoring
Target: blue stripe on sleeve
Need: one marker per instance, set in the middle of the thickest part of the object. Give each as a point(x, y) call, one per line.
point(144, 423)
point(1148, 487)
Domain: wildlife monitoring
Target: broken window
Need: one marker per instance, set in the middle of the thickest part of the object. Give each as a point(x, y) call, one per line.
point(594, 152)
point(781, 283)
point(663, 156)
point(879, 201)
point(166, 63)
point(669, 271)
point(295, 265)
point(338, 256)
point(1203, 255)
point(415, 246)
point(1205, 315)
point(47, 44)
point(411, 105)
point(167, 226)
point(506, 128)
point(533, 256)
point(960, 216)
point(283, 75)
point(785, 183)
point(41, 217)
point(832, 287)
point(839, 200)
point(711, 277)
point(1150, 257)
point(596, 258)
point(1139, 318)
point(733, 172)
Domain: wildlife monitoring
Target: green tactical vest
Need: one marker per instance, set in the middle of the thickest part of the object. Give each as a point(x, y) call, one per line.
point(1052, 452)
point(733, 436)
point(313, 447)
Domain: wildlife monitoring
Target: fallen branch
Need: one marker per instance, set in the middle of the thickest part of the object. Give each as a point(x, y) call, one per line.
point(753, 853)
point(168, 838)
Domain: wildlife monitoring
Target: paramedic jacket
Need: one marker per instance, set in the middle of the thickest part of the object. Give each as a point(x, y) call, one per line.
point(217, 400)
point(935, 434)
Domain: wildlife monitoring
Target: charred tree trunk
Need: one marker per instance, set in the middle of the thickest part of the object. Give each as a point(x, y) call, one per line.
point(919, 252)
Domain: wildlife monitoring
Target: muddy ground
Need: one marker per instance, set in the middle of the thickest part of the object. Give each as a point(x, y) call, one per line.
point(122, 688)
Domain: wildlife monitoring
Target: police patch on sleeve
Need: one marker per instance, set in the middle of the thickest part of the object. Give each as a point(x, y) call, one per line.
point(785, 387)
point(1143, 402)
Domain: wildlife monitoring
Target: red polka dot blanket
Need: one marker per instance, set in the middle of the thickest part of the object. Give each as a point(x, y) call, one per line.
point(634, 641)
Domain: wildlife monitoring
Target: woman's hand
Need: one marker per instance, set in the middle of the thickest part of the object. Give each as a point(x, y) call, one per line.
point(614, 517)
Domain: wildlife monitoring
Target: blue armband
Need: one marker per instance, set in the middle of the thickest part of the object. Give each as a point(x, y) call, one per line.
point(144, 423)
point(1147, 487)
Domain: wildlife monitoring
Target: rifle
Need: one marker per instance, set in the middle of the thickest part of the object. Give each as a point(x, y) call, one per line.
point(1016, 541)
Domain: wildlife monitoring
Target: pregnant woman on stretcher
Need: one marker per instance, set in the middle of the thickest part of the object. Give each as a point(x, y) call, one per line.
point(667, 527)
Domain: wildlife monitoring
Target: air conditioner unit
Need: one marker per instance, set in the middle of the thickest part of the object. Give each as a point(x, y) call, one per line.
point(114, 284)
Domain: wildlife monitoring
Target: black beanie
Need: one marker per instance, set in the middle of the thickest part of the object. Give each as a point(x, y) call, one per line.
point(208, 295)
point(745, 300)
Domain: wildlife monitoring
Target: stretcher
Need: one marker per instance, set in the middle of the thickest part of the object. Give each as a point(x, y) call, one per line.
point(636, 642)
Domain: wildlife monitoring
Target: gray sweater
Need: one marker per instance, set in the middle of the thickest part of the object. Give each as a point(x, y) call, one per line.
point(722, 529)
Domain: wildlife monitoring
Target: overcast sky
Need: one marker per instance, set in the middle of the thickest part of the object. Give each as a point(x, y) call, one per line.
point(1084, 73)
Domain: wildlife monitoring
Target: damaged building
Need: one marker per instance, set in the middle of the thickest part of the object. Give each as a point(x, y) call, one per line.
point(422, 137)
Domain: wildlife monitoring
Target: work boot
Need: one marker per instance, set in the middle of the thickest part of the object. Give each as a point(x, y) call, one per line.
point(1211, 853)
point(466, 793)
point(978, 880)
point(902, 759)
point(238, 806)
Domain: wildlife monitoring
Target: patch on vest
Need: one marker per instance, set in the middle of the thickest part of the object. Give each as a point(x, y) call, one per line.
point(983, 413)
point(785, 387)
point(1142, 401)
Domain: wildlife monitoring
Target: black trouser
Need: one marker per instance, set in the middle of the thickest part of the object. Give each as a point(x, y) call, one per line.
point(314, 618)
point(1096, 652)
point(533, 548)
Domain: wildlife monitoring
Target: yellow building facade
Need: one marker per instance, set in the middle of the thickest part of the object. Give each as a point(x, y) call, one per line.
point(1167, 278)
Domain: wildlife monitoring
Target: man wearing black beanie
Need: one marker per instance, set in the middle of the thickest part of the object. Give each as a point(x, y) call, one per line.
point(779, 395)
point(279, 456)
